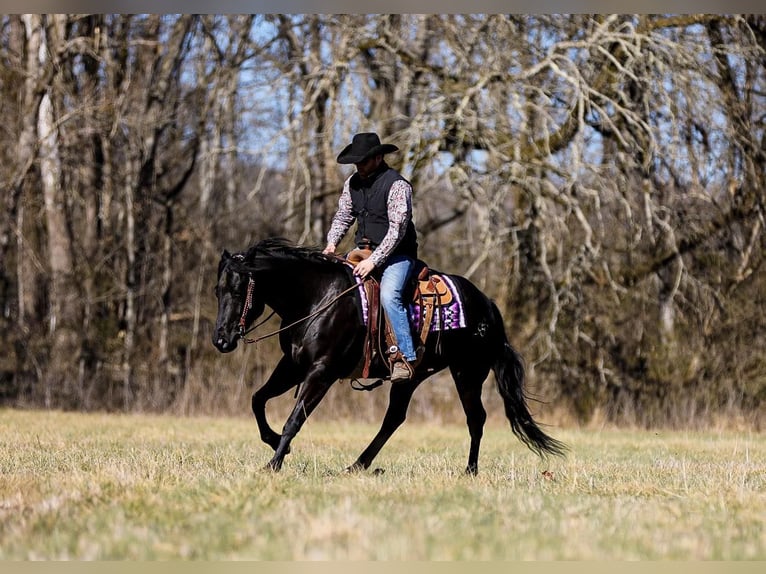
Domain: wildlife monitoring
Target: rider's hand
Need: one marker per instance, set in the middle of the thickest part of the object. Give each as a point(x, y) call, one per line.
point(364, 268)
point(330, 249)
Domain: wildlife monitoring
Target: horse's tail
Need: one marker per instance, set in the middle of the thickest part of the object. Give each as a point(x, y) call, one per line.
point(509, 372)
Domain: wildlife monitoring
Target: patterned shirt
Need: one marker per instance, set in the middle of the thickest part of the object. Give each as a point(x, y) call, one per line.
point(399, 213)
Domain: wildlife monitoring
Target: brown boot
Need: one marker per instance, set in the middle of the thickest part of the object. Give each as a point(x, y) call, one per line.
point(401, 372)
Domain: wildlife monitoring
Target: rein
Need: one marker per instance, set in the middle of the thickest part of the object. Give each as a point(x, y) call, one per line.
point(249, 303)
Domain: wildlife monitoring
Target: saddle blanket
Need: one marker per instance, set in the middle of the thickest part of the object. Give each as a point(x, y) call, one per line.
point(445, 317)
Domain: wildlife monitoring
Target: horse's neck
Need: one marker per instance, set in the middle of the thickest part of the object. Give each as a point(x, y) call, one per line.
point(292, 287)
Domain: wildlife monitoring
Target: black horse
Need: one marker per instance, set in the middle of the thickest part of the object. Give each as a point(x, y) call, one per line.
point(316, 298)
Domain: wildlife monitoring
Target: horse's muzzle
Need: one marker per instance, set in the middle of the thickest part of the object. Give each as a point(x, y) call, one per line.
point(225, 344)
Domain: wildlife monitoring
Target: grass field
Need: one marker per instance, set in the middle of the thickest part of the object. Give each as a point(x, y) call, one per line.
point(110, 487)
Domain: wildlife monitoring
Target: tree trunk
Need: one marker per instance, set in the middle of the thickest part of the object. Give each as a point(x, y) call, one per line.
point(62, 293)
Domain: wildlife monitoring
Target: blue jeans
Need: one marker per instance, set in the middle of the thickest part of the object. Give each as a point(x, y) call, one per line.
point(396, 271)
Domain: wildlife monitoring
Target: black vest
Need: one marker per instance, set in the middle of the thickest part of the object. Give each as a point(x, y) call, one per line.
point(369, 204)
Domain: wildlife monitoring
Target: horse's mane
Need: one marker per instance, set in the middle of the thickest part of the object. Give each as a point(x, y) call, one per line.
point(279, 248)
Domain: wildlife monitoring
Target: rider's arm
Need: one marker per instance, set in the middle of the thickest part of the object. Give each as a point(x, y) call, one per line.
point(343, 217)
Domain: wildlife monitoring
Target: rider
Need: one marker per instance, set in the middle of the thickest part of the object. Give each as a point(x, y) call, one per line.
point(380, 200)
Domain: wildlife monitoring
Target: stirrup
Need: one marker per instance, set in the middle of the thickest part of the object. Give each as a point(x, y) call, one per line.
point(406, 371)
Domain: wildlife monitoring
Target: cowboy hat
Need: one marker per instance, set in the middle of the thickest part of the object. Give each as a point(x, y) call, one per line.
point(363, 146)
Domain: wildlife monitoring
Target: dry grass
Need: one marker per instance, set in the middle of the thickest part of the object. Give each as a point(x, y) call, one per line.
point(112, 487)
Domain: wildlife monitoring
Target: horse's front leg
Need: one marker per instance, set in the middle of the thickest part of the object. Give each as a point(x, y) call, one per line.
point(312, 392)
point(284, 377)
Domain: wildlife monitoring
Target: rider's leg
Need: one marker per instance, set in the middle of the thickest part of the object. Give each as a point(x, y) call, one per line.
point(395, 275)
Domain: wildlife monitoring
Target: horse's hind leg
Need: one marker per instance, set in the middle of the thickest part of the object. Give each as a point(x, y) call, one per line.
point(469, 382)
point(399, 401)
point(284, 377)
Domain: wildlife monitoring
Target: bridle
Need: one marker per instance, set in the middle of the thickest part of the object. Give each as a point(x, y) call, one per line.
point(246, 308)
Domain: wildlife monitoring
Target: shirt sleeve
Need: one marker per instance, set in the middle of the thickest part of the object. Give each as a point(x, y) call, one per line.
point(399, 215)
point(343, 217)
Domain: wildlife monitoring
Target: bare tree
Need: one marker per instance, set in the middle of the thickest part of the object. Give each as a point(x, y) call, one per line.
point(600, 175)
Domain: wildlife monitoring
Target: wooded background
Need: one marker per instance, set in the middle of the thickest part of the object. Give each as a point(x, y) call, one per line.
point(600, 176)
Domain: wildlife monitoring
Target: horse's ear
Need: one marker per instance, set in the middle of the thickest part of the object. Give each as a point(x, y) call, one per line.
point(225, 254)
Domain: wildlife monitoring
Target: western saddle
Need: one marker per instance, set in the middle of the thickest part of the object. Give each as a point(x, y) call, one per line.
point(428, 292)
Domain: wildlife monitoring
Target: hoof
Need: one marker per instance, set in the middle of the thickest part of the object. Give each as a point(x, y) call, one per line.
point(354, 468)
